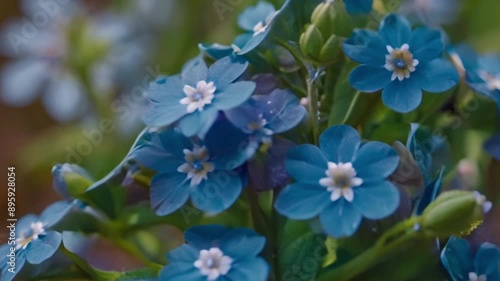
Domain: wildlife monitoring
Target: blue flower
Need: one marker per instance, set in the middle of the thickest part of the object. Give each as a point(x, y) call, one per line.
point(342, 181)
point(400, 61)
point(482, 72)
point(462, 266)
point(266, 115)
point(34, 242)
point(358, 6)
point(256, 21)
point(203, 171)
point(216, 253)
point(196, 96)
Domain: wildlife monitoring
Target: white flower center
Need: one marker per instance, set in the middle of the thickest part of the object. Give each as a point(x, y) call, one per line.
point(261, 26)
point(197, 98)
point(400, 62)
point(213, 263)
point(196, 166)
point(340, 180)
point(492, 81)
point(30, 235)
point(473, 277)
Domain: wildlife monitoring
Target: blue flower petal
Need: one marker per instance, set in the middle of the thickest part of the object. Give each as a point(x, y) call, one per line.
point(255, 269)
point(487, 261)
point(402, 96)
point(5, 274)
point(339, 143)
point(302, 201)
point(376, 201)
point(281, 109)
point(198, 122)
point(375, 161)
point(24, 224)
point(166, 89)
point(234, 95)
point(168, 192)
point(194, 71)
point(165, 94)
point(181, 271)
point(426, 44)
point(251, 16)
point(226, 70)
point(22, 80)
point(358, 6)
point(242, 243)
point(253, 42)
point(184, 253)
point(164, 153)
point(436, 76)
point(395, 30)
point(55, 212)
point(242, 116)
point(340, 219)
point(369, 78)
point(306, 164)
point(230, 151)
point(366, 47)
point(205, 236)
point(44, 247)
point(215, 51)
point(457, 259)
point(218, 192)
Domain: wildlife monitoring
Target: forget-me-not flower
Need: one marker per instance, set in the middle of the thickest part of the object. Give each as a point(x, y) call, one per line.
point(256, 21)
point(341, 181)
point(202, 170)
point(216, 253)
point(195, 98)
point(263, 116)
point(481, 72)
point(463, 266)
point(400, 61)
point(35, 242)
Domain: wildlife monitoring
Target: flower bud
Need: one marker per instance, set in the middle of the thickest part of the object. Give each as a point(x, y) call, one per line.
point(331, 17)
point(331, 49)
point(311, 42)
point(70, 180)
point(453, 212)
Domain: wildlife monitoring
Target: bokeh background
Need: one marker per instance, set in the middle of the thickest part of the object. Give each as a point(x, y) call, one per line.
point(111, 48)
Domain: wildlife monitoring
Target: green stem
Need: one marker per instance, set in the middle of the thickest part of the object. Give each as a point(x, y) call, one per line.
point(261, 226)
point(312, 95)
point(387, 245)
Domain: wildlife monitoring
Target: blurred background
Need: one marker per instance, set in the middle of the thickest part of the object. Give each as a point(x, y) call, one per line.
point(73, 73)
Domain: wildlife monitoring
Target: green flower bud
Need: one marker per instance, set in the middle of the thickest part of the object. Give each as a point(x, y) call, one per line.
point(70, 180)
point(330, 50)
point(311, 42)
point(331, 17)
point(453, 212)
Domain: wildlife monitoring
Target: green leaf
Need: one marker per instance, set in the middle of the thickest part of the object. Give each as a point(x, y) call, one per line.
point(349, 105)
point(302, 258)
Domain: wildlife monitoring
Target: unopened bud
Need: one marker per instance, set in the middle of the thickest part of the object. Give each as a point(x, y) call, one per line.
point(70, 180)
point(453, 212)
point(331, 18)
point(311, 42)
